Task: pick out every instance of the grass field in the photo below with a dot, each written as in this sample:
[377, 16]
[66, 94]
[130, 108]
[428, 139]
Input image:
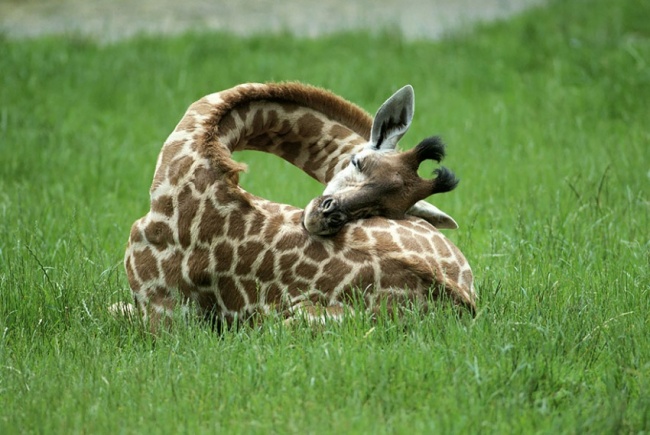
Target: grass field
[546, 118]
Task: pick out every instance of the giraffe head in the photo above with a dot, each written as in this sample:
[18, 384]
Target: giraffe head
[379, 181]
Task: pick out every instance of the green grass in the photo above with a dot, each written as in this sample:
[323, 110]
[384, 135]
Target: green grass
[546, 121]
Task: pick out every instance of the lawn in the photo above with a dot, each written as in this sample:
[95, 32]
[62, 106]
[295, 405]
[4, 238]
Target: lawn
[546, 117]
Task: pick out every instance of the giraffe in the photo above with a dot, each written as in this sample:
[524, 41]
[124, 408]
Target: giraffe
[206, 243]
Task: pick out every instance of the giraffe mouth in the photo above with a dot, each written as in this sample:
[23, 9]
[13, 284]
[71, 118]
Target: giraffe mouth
[323, 216]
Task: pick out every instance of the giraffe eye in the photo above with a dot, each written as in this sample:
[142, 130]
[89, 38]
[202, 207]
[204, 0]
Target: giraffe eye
[355, 162]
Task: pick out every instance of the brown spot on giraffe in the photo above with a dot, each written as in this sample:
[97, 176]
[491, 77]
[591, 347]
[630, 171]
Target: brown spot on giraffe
[130, 274]
[360, 234]
[173, 149]
[315, 165]
[227, 125]
[179, 168]
[336, 267]
[206, 300]
[172, 267]
[316, 251]
[356, 256]
[274, 294]
[407, 241]
[249, 251]
[309, 126]
[160, 296]
[266, 270]
[260, 142]
[187, 124]
[146, 264]
[385, 241]
[198, 265]
[289, 240]
[164, 204]
[224, 255]
[327, 281]
[273, 226]
[202, 107]
[340, 131]
[258, 121]
[188, 207]
[203, 178]
[159, 234]
[136, 233]
[457, 254]
[236, 227]
[251, 288]
[297, 286]
[287, 261]
[256, 225]
[305, 269]
[213, 223]
[451, 271]
[441, 247]
[290, 151]
[231, 294]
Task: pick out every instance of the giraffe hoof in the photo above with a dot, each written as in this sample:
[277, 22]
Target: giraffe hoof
[121, 309]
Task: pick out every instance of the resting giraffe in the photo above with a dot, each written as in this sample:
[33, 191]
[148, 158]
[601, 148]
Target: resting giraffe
[231, 254]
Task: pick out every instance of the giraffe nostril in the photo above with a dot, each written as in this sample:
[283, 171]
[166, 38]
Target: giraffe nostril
[328, 205]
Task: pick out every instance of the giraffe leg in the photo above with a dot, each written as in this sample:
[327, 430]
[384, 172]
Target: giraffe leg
[155, 306]
[317, 314]
[122, 309]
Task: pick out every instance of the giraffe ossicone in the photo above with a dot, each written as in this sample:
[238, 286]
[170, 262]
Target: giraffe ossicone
[209, 244]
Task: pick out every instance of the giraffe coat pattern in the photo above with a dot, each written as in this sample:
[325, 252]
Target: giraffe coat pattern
[230, 254]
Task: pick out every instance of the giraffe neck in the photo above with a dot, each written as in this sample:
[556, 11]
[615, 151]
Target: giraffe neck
[309, 127]
[299, 135]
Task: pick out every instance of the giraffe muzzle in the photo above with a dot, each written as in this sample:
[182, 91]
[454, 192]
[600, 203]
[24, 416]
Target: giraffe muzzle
[323, 216]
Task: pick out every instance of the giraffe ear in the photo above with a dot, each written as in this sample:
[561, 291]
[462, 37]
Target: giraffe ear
[392, 120]
[433, 215]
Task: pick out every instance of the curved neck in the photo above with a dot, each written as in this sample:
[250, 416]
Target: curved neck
[313, 129]
[309, 127]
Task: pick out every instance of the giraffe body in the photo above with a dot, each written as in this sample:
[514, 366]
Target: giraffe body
[231, 254]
